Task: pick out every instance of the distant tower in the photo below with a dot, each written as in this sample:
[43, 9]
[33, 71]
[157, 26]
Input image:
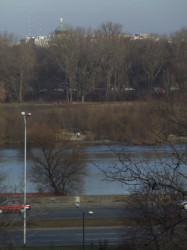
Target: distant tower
[61, 29]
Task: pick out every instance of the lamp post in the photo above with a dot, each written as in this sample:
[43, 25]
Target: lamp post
[25, 173]
[83, 230]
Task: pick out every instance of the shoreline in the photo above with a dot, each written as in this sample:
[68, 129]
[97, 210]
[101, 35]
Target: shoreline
[171, 140]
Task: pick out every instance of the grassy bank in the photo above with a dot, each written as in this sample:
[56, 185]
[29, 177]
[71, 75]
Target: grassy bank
[95, 121]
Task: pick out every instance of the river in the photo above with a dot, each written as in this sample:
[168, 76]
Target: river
[12, 162]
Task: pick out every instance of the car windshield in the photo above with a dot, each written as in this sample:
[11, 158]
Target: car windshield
[10, 202]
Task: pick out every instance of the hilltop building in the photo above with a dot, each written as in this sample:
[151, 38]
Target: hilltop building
[43, 41]
[61, 30]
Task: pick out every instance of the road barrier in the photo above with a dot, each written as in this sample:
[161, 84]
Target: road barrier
[60, 201]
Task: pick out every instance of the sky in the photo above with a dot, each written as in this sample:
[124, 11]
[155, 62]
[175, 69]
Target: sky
[41, 17]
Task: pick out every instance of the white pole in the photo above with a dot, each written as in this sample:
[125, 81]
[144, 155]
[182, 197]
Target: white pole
[25, 181]
[25, 176]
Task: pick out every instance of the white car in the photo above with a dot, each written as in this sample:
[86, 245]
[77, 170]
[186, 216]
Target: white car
[182, 204]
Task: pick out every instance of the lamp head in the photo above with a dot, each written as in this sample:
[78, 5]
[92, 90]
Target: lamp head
[77, 205]
[23, 113]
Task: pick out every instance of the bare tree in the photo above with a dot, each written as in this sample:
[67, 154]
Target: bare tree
[108, 38]
[179, 47]
[66, 53]
[153, 59]
[110, 28]
[18, 70]
[58, 165]
[164, 170]
[163, 223]
[157, 180]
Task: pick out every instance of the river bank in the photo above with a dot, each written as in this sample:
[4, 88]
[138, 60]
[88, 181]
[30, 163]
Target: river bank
[135, 123]
[79, 137]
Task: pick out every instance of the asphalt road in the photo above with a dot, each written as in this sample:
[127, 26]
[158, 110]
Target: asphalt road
[62, 237]
[70, 213]
[77, 213]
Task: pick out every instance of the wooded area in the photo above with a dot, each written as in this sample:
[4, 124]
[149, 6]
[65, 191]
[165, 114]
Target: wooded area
[103, 65]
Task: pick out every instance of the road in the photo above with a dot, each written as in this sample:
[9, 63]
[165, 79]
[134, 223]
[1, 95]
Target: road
[67, 236]
[73, 236]
[77, 213]
[63, 237]
[71, 213]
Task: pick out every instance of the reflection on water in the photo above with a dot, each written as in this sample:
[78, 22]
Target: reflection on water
[12, 161]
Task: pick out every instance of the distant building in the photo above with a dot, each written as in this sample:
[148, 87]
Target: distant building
[41, 41]
[61, 30]
[144, 36]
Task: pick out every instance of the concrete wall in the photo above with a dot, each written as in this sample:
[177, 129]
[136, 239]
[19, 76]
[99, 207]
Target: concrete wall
[84, 201]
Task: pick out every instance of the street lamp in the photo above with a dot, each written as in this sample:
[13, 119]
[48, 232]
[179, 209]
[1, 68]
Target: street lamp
[83, 215]
[25, 116]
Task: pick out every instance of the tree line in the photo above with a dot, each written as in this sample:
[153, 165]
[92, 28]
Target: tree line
[104, 65]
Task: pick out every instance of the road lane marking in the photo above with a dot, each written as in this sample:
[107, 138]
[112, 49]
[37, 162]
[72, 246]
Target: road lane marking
[97, 233]
[103, 239]
[42, 235]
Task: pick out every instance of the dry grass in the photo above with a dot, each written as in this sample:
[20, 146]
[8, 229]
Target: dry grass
[133, 122]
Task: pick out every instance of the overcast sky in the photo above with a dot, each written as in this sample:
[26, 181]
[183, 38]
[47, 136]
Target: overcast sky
[31, 17]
